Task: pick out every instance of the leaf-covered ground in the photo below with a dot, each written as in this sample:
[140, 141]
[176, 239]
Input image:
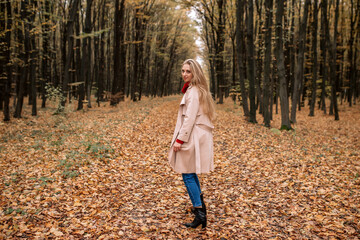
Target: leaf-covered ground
[103, 174]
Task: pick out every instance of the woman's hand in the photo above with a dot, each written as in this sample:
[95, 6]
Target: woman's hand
[177, 146]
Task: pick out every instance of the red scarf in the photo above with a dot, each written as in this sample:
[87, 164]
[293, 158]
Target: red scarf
[185, 87]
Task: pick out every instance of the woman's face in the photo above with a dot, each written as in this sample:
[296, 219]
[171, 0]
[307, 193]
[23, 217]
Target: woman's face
[186, 73]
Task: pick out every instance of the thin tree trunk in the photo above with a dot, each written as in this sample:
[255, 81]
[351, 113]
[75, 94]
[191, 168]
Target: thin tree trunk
[332, 53]
[315, 62]
[136, 34]
[46, 71]
[88, 29]
[299, 69]
[70, 42]
[284, 101]
[240, 50]
[259, 60]
[220, 46]
[33, 59]
[79, 64]
[171, 56]
[119, 66]
[352, 68]
[251, 60]
[267, 67]
[24, 55]
[6, 66]
[323, 49]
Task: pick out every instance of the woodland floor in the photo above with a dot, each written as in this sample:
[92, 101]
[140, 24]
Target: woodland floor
[103, 173]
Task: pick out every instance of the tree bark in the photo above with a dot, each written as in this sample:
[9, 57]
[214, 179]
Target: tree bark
[332, 55]
[46, 64]
[24, 55]
[219, 50]
[250, 59]
[323, 49]
[70, 49]
[239, 51]
[352, 67]
[284, 101]
[33, 58]
[119, 53]
[299, 68]
[259, 38]
[267, 64]
[79, 64]
[315, 61]
[7, 56]
[88, 49]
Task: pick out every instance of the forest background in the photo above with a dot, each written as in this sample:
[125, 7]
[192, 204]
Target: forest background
[83, 64]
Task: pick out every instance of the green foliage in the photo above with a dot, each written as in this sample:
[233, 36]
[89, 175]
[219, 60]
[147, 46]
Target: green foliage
[70, 174]
[57, 143]
[99, 148]
[276, 131]
[235, 94]
[37, 145]
[9, 211]
[15, 178]
[55, 95]
[45, 180]
[68, 165]
[284, 127]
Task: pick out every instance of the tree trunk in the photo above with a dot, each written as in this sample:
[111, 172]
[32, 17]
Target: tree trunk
[267, 67]
[332, 53]
[219, 50]
[292, 52]
[259, 38]
[211, 58]
[355, 59]
[70, 42]
[239, 51]
[79, 64]
[299, 68]
[315, 62]
[352, 67]
[323, 49]
[7, 56]
[284, 101]
[171, 57]
[251, 60]
[24, 55]
[137, 57]
[33, 59]
[46, 66]
[119, 53]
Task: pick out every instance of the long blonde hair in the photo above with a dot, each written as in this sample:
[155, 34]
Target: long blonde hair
[199, 80]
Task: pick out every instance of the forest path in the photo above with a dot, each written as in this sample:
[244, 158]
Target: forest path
[104, 174]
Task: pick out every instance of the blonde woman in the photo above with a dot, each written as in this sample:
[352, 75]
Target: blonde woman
[191, 151]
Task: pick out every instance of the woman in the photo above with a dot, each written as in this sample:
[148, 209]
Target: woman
[191, 151]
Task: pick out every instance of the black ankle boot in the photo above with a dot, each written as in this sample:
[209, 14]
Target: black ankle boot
[202, 205]
[200, 218]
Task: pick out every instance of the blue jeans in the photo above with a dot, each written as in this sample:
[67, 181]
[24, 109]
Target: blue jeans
[192, 184]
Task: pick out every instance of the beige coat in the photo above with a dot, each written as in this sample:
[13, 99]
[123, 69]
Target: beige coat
[194, 128]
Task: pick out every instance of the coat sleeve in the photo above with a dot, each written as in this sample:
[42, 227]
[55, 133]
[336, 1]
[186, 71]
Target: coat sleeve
[192, 104]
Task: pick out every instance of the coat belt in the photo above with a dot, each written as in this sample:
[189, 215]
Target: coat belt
[204, 127]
